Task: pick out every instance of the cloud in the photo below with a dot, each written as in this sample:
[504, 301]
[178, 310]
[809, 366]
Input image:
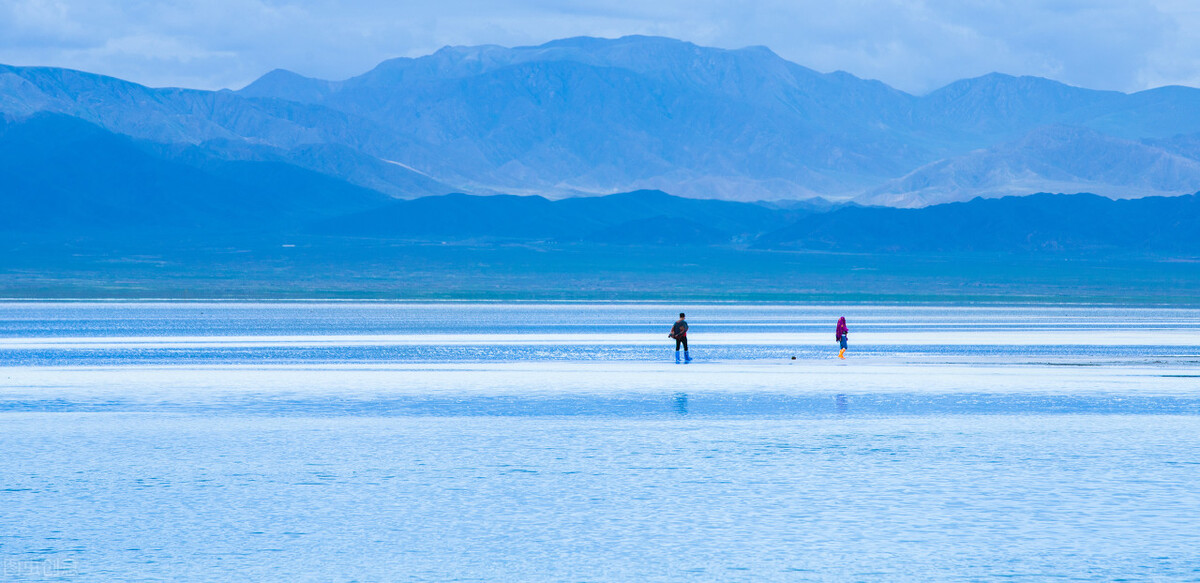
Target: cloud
[915, 45]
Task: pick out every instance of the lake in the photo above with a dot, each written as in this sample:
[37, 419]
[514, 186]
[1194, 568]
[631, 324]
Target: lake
[383, 441]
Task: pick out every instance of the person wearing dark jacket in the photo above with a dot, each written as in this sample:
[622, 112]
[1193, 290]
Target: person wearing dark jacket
[679, 333]
[842, 331]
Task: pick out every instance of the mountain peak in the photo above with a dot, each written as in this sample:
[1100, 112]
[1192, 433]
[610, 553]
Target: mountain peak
[593, 42]
[999, 82]
[284, 84]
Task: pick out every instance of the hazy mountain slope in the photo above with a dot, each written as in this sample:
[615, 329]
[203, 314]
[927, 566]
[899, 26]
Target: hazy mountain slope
[1155, 113]
[227, 124]
[590, 116]
[355, 167]
[995, 106]
[1064, 159]
[162, 115]
[1186, 145]
[60, 174]
[1042, 222]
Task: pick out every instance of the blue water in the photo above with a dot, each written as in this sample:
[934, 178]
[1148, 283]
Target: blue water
[395, 442]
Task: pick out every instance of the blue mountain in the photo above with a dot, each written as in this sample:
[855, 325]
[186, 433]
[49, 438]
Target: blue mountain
[640, 217]
[1065, 224]
[600, 116]
[63, 177]
[98, 186]
[1054, 158]
[1042, 223]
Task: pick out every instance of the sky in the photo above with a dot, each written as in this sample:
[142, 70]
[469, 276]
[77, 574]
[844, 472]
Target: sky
[913, 45]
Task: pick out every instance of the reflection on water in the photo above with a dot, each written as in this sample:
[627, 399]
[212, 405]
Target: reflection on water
[681, 403]
[700, 404]
[841, 403]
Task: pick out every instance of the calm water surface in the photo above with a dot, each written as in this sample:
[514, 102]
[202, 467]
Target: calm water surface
[523, 442]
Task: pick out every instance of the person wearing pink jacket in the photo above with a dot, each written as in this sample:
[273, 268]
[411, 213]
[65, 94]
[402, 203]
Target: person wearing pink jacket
[842, 332]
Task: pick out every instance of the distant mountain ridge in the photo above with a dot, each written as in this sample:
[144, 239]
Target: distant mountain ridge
[1035, 223]
[599, 116]
[1051, 158]
[108, 191]
[639, 217]
[1039, 223]
[63, 178]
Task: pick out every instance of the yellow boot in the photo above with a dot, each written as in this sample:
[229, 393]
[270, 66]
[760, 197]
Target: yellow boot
[842, 354]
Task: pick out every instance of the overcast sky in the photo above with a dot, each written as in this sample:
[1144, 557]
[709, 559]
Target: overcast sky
[914, 45]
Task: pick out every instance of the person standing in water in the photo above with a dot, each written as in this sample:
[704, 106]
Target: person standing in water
[842, 331]
[679, 333]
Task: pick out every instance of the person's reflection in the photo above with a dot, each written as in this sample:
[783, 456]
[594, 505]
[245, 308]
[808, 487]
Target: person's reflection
[681, 404]
[841, 403]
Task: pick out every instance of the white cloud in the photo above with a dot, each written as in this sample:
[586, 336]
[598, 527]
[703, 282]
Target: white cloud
[916, 45]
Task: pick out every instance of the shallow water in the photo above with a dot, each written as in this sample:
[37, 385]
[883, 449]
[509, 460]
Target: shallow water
[379, 442]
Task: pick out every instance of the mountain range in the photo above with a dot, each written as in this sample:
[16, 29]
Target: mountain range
[1044, 224]
[586, 116]
[106, 190]
[1040, 223]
